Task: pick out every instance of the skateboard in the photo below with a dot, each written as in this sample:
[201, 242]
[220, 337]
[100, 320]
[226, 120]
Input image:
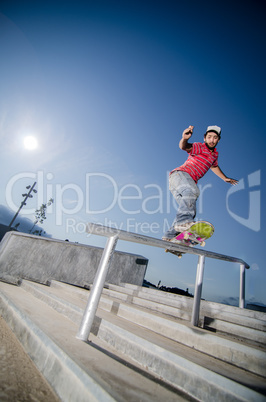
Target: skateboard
[196, 234]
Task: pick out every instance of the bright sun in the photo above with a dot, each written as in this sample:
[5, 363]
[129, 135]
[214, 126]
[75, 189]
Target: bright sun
[30, 143]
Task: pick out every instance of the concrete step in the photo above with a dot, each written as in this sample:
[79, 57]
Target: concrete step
[236, 353]
[150, 350]
[72, 303]
[210, 306]
[233, 321]
[77, 371]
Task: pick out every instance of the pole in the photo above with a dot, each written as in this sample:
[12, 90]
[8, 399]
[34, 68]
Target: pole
[242, 286]
[198, 291]
[22, 204]
[95, 294]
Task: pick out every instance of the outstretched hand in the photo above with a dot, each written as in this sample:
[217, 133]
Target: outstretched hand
[231, 181]
[187, 133]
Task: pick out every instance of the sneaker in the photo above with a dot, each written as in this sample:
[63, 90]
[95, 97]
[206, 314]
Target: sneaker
[174, 240]
[183, 226]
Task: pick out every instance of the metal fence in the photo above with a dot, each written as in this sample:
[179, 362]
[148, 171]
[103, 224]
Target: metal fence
[113, 236]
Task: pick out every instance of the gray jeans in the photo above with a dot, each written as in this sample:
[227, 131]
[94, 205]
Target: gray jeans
[186, 193]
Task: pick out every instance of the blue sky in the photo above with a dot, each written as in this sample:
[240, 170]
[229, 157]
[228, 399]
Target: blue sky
[106, 88]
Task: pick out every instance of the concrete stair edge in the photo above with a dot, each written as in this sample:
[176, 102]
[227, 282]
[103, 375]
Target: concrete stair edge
[219, 323]
[196, 381]
[51, 361]
[205, 304]
[230, 314]
[227, 350]
[193, 378]
[240, 326]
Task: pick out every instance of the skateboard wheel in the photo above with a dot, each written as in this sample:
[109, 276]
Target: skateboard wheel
[202, 244]
[186, 236]
[179, 255]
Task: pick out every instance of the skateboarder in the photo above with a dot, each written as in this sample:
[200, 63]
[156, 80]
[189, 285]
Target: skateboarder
[183, 180]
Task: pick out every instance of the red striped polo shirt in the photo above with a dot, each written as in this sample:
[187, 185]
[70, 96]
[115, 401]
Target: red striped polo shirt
[199, 161]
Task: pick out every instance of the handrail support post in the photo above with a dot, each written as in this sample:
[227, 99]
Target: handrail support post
[198, 291]
[242, 286]
[96, 291]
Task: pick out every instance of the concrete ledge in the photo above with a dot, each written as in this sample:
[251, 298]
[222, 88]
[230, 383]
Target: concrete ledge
[42, 259]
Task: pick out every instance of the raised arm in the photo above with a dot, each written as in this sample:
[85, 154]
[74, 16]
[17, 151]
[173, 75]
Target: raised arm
[184, 144]
[222, 176]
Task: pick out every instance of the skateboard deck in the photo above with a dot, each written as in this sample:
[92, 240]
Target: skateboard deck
[196, 234]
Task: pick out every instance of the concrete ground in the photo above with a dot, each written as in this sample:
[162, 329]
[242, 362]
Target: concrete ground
[19, 378]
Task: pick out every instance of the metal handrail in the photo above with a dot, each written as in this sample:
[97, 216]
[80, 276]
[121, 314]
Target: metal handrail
[113, 236]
